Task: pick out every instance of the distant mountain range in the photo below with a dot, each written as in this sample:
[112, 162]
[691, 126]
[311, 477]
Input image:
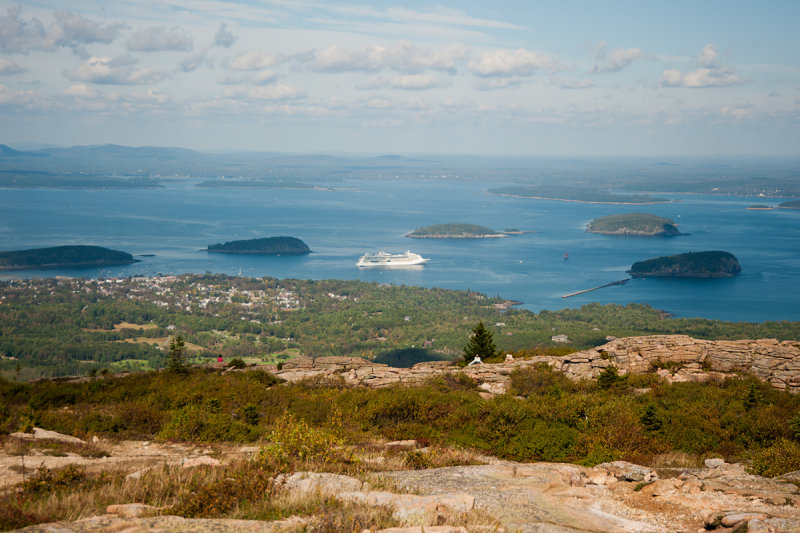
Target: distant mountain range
[753, 176]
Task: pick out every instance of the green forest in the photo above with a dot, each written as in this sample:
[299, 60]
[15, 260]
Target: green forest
[453, 231]
[643, 223]
[61, 327]
[64, 256]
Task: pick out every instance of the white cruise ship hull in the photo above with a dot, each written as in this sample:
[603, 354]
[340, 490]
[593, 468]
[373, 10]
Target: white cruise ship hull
[386, 260]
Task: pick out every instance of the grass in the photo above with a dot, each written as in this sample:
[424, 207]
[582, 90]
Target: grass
[243, 489]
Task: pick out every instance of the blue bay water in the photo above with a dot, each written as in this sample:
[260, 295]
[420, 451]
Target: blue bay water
[177, 222]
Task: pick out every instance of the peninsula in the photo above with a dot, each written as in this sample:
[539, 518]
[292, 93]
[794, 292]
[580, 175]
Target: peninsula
[634, 224]
[715, 264]
[455, 231]
[589, 196]
[266, 246]
[71, 256]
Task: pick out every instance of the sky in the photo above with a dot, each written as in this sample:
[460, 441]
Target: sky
[565, 78]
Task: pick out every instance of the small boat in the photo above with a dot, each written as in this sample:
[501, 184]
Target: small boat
[384, 259]
[566, 256]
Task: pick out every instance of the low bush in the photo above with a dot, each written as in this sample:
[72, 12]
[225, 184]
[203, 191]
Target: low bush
[780, 458]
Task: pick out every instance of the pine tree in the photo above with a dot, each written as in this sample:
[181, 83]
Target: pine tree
[177, 362]
[481, 344]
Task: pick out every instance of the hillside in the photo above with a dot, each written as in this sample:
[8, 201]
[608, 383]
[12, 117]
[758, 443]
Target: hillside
[266, 246]
[64, 257]
[454, 231]
[715, 264]
[634, 224]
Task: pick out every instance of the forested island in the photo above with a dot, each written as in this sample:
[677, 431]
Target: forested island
[713, 264]
[636, 224]
[455, 231]
[258, 184]
[792, 204]
[71, 256]
[267, 246]
[25, 179]
[591, 196]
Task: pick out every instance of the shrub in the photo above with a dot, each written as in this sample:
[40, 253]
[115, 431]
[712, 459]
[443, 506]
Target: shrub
[194, 423]
[794, 426]
[542, 379]
[46, 480]
[237, 362]
[293, 439]
[780, 458]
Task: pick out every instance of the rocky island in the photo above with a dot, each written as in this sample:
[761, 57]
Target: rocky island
[714, 264]
[70, 256]
[792, 204]
[266, 246]
[455, 231]
[634, 224]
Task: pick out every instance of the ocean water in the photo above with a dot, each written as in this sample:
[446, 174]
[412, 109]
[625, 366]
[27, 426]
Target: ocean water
[176, 223]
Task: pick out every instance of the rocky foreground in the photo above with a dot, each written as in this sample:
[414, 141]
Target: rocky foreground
[505, 496]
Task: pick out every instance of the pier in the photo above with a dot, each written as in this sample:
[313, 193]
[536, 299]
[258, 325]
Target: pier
[620, 282]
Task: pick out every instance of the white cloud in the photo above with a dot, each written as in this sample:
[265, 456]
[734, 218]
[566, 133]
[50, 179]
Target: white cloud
[708, 57]
[108, 71]
[510, 63]
[277, 91]
[9, 67]
[69, 31]
[224, 36]
[700, 78]
[193, 62]
[402, 57]
[737, 112]
[159, 39]
[491, 84]
[616, 60]
[26, 98]
[411, 82]
[81, 90]
[710, 73]
[264, 77]
[566, 83]
[252, 61]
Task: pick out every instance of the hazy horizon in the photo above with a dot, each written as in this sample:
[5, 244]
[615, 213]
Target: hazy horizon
[572, 79]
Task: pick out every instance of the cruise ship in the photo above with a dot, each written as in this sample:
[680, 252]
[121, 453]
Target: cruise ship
[383, 259]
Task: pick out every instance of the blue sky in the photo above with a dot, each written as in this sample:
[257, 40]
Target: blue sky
[506, 77]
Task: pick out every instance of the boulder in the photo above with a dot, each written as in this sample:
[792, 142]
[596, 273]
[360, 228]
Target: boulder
[132, 510]
[625, 471]
[317, 483]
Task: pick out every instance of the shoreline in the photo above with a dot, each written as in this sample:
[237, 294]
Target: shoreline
[581, 201]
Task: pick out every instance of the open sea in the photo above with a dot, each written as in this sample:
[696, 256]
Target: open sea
[175, 223]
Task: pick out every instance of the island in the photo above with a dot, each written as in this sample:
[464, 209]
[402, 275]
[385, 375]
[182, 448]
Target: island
[792, 204]
[70, 256]
[634, 224]
[715, 264]
[455, 231]
[589, 196]
[266, 246]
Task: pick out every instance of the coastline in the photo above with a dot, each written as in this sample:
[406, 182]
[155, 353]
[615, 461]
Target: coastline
[580, 201]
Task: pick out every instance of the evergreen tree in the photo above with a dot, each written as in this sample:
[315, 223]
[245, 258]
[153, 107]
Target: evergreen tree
[177, 360]
[610, 378]
[481, 344]
[650, 418]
